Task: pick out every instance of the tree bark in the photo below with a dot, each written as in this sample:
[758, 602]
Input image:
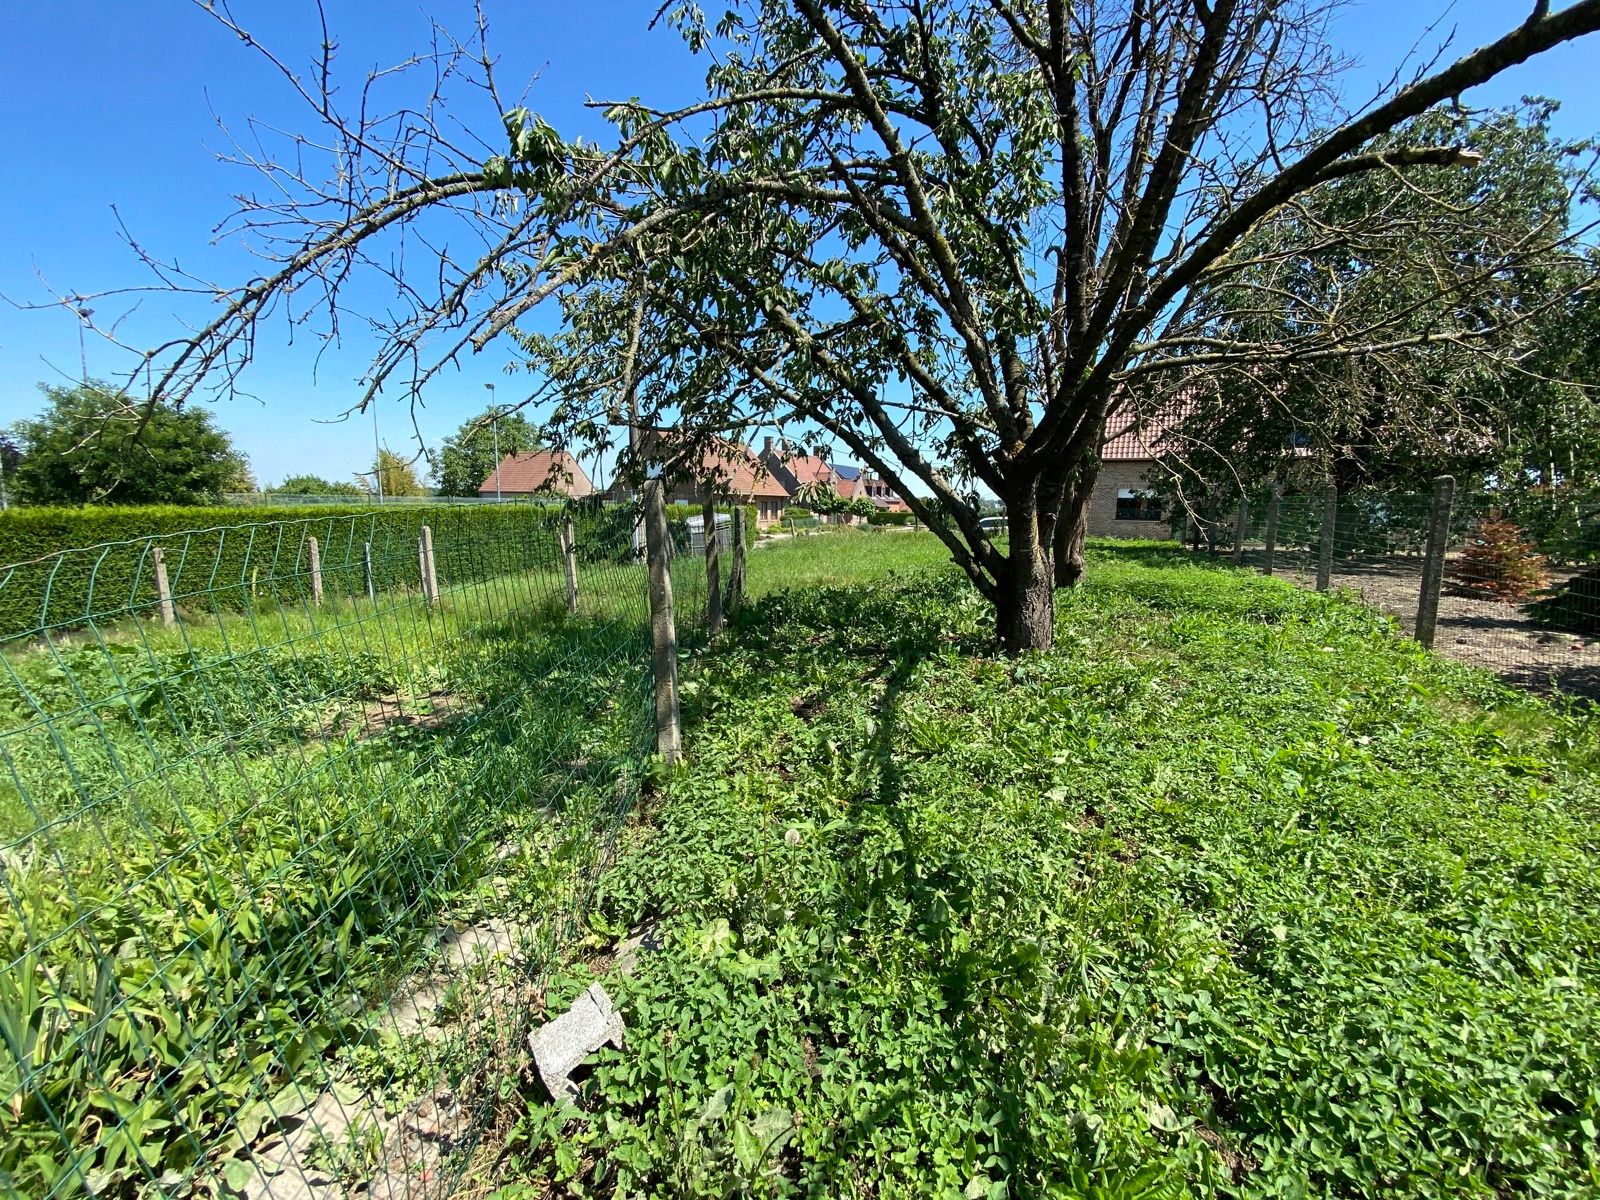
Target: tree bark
[1072, 528]
[1025, 608]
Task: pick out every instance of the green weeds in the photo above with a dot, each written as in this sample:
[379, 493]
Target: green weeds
[229, 843]
[1235, 892]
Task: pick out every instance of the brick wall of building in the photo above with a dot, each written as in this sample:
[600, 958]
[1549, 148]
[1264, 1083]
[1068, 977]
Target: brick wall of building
[1114, 476]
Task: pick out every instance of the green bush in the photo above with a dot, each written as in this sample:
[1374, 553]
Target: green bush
[891, 518]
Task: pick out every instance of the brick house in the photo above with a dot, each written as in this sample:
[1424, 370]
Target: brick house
[1122, 504]
[868, 484]
[734, 474]
[537, 473]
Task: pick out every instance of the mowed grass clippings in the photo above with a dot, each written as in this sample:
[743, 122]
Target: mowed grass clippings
[1234, 892]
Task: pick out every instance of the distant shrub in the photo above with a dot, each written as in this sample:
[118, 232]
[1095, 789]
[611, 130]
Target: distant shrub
[890, 518]
[1499, 562]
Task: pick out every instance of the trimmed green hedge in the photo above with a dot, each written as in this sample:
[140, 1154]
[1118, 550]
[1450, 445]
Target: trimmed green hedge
[891, 518]
[78, 566]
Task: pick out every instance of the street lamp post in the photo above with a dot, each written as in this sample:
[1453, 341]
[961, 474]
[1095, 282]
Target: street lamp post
[494, 425]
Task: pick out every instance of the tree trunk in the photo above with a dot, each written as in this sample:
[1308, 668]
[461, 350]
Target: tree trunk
[1025, 610]
[1073, 526]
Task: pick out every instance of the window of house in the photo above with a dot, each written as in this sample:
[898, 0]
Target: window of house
[1137, 506]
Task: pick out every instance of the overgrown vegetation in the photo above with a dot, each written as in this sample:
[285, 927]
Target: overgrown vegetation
[1233, 892]
[227, 844]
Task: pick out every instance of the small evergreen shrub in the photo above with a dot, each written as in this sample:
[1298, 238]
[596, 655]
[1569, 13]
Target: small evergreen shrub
[1499, 562]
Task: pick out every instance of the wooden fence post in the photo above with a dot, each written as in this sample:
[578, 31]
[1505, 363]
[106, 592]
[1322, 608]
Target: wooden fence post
[315, 553]
[169, 615]
[569, 559]
[1444, 494]
[663, 630]
[1274, 506]
[366, 564]
[708, 531]
[430, 577]
[1241, 526]
[736, 575]
[1330, 529]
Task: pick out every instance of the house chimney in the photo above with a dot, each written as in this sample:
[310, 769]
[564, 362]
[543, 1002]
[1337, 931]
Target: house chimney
[766, 447]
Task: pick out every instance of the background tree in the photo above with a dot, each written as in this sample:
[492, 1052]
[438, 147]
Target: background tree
[467, 457]
[315, 485]
[396, 475]
[94, 444]
[953, 237]
[1474, 407]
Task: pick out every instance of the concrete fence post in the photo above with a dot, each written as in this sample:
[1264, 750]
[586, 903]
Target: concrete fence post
[366, 570]
[1241, 526]
[708, 531]
[314, 554]
[1274, 507]
[1330, 530]
[736, 574]
[169, 615]
[430, 577]
[663, 629]
[569, 560]
[1444, 494]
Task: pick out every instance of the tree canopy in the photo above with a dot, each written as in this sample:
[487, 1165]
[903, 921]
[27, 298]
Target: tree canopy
[953, 237]
[1484, 407]
[315, 485]
[395, 475]
[467, 457]
[95, 444]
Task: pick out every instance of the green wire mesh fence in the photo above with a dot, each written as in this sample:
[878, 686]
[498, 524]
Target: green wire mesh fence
[289, 835]
[1519, 584]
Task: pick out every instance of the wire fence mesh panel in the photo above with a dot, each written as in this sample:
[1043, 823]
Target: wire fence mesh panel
[1520, 590]
[281, 878]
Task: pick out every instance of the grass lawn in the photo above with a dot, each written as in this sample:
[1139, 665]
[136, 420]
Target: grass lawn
[1234, 892]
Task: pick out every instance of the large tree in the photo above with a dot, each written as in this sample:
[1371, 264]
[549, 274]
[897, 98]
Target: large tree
[83, 449]
[1481, 407]
[952, 235]
[467, 458]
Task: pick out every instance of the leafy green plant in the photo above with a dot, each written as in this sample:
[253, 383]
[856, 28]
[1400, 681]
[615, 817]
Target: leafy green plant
[990, 927]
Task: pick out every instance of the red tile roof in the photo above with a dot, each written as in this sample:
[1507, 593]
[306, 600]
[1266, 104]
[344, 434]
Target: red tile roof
[732, 466]
[551, 472]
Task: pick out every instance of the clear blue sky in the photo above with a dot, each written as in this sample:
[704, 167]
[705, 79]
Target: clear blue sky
[114, 103]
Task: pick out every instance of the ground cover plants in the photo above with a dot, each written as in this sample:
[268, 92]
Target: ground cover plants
[224, 846]
[1233, 892]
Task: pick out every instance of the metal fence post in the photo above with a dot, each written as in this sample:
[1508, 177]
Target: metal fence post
[663, 630]
[366, 565]
[1274, 506]
[315, 553]
[1330, 528]
[1241, 525]
[1444, 494]
[169, 615]
[708, 532]
[736, 574]
[430, 577]
[569, 560]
